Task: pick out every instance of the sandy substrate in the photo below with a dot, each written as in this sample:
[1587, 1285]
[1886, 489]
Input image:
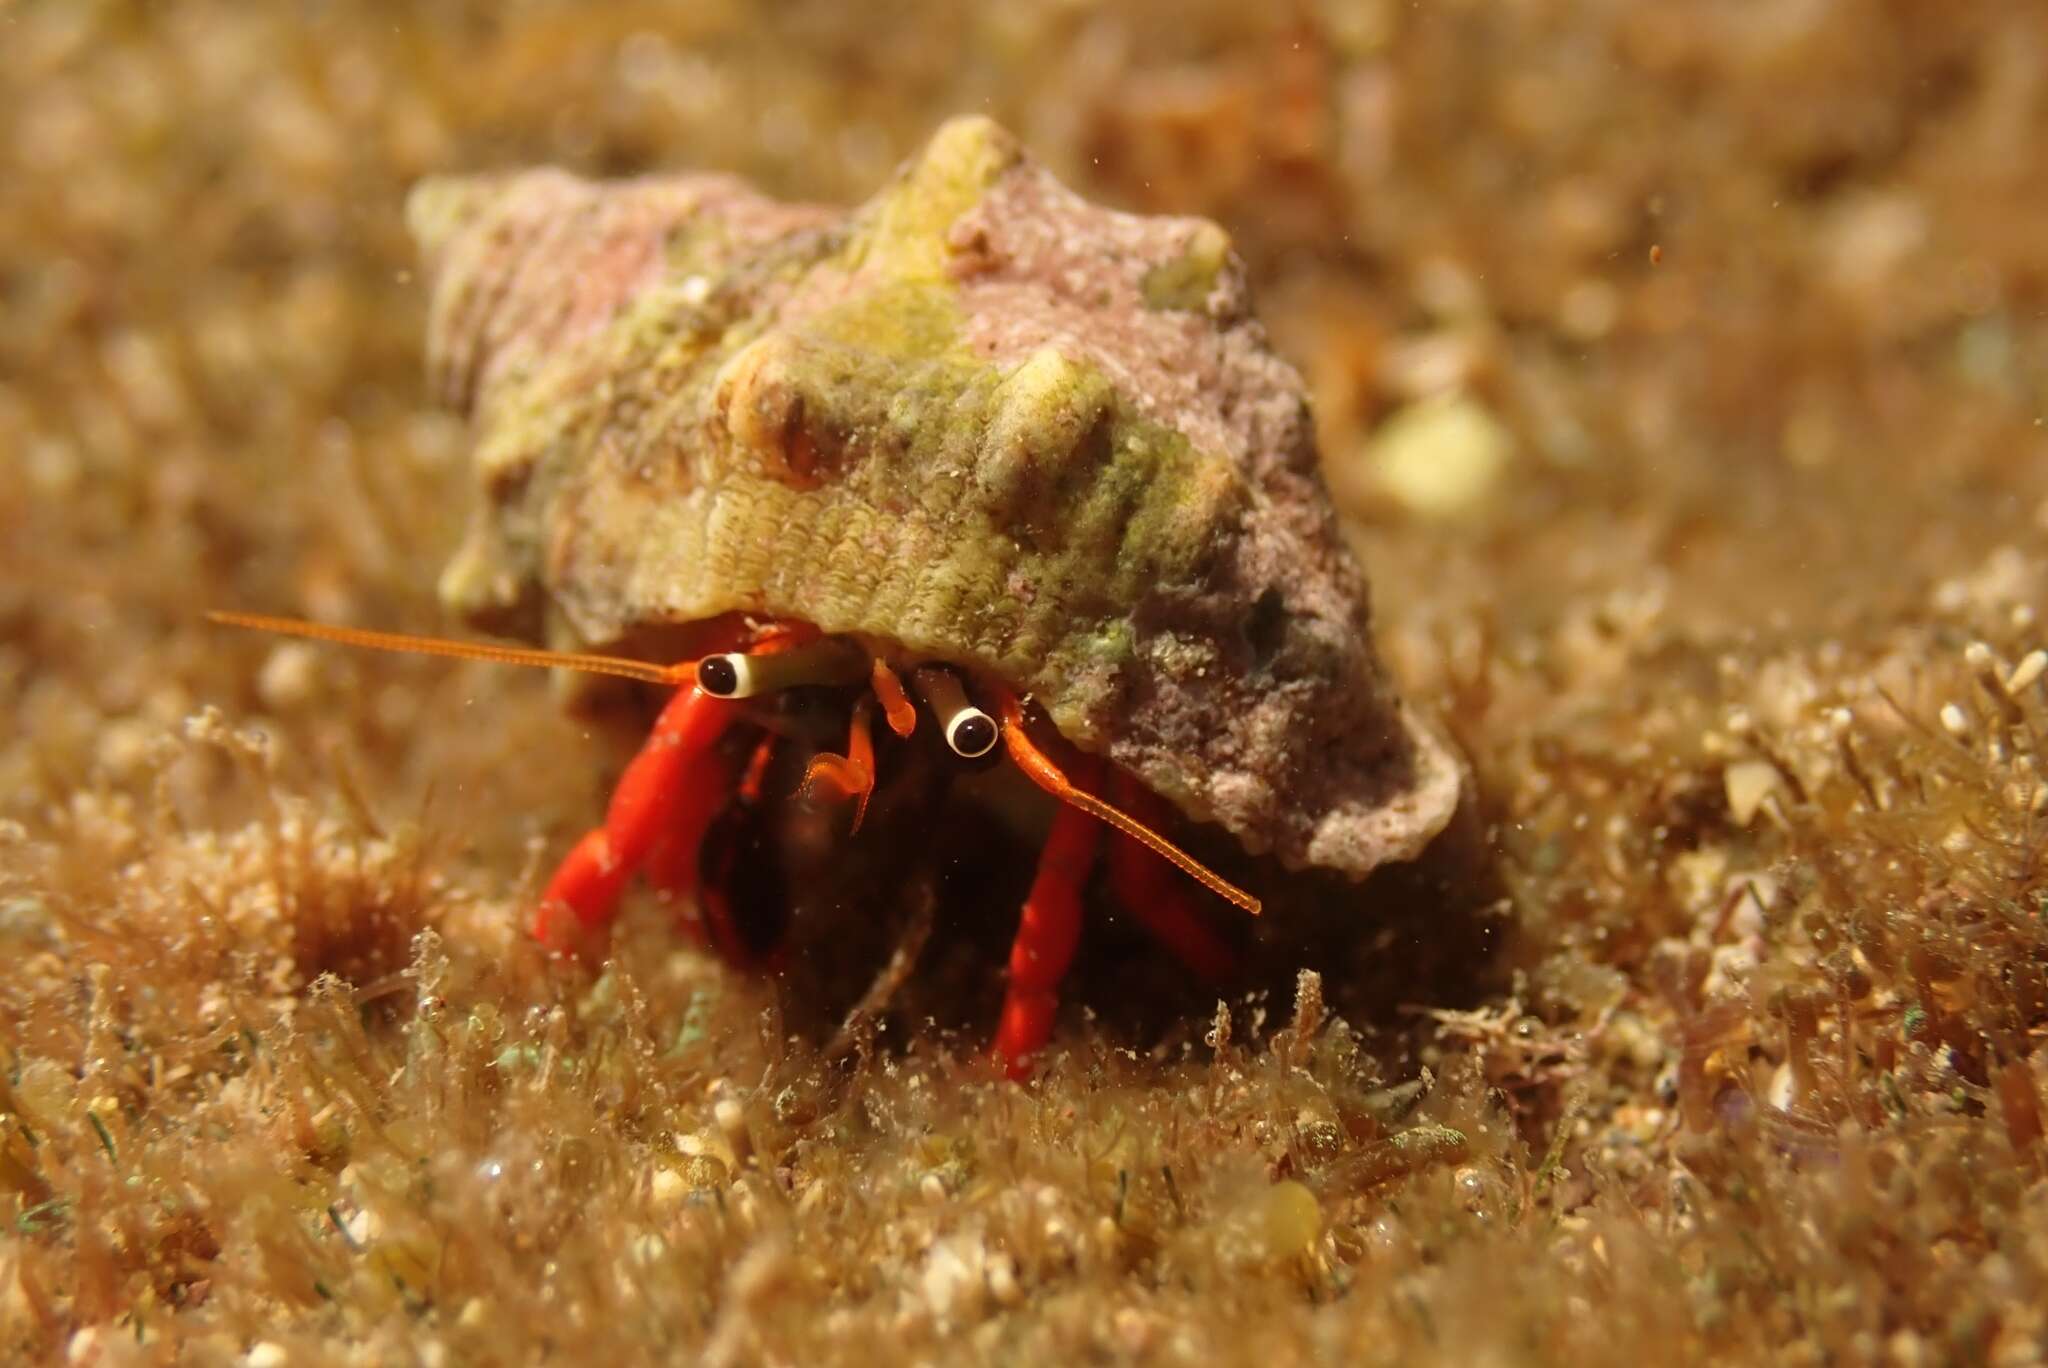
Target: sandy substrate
[1680, 368]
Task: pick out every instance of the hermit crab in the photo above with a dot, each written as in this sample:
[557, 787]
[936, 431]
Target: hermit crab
[976, 456]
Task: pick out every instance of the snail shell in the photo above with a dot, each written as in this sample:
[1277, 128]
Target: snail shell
[975, 420]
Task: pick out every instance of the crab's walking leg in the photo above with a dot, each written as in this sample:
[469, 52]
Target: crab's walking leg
[662, 790]
[1047, 933]
[674, 866]
[1151, 890]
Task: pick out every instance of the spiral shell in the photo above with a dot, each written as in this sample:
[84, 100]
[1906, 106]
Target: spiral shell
[975, 420]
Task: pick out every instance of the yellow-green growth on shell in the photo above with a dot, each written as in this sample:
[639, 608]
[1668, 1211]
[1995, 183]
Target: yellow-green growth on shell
[976, 420]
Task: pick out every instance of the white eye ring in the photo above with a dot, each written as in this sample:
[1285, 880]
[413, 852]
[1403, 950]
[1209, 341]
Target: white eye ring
[971, 732]
[726, 676]
[828, 660]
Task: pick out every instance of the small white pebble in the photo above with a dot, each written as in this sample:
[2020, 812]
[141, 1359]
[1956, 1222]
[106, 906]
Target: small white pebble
[1954, 720]
[2027, 671]
[363, 1227]
[1747, 784]
[932, 1189]
[125, 745]
[954, 1276]
[289, 678]
[266, 1354]
[1441, 457]
[1840, 720]
[1002, 1280]
[1781, 1093]
[666, 1187]
[732, 1121]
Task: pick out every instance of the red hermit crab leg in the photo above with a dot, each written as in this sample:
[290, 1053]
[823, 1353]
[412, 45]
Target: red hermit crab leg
[755, 779]
[851, 775]
[674, 864]
[1040, 770]
[1048, 929]
[1145, 886]
[662, 794]
[1051, 922]
[674, 867]
[664, 797]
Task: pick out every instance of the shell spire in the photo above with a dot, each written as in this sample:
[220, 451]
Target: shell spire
[977, 420]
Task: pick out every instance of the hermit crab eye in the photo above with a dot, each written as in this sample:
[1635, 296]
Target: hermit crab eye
[721, 675]
[828, 660]
[971, 732]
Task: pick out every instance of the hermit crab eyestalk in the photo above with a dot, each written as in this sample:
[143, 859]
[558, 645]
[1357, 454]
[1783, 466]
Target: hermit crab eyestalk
[735, 674]
[971, 732]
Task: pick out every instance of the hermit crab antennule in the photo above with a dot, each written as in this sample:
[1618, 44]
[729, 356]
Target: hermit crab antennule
[1040, 770]
[971, 732]
[646, 671]
[895, 703]
[851, 775]
[737, 674]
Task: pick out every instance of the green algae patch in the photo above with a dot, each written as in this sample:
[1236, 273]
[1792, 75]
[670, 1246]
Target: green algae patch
[1187, 281]
[905, 231]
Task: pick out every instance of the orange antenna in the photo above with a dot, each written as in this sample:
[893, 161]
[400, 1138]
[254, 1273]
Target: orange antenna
[671, 675]
[1040, 770]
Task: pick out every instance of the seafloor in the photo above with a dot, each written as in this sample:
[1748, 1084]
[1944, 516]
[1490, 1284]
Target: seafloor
[1682, 368]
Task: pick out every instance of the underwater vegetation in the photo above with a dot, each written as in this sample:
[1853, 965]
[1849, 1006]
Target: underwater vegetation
[1691, 440]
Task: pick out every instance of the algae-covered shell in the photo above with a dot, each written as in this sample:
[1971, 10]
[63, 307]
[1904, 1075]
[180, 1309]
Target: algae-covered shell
[975, 420]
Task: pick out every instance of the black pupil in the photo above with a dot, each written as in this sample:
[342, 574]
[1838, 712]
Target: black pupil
[716, 676]
[974, 735]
